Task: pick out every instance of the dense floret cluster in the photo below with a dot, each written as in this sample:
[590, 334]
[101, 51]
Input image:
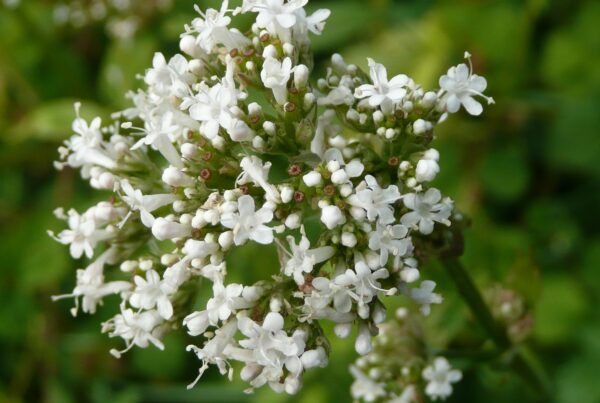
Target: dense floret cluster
[234, 142]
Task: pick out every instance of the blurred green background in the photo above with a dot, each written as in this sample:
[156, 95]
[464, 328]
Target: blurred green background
[527, 173]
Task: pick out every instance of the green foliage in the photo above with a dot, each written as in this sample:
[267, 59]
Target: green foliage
[527, 175]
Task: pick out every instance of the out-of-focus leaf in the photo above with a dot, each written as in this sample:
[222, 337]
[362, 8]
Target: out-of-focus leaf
[122, 64]
[504, 173]
[145, 360]
[574, 143]
[347, 21]
[591, 266]
[560, 309]
[577, 380]
[51, 121]
[571, 60]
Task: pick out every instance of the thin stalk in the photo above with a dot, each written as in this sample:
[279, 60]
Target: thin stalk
[522, 361]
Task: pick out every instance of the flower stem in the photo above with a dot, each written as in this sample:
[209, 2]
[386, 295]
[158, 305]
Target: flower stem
[522, 360]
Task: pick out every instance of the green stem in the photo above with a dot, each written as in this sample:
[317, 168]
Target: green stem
[522, 359]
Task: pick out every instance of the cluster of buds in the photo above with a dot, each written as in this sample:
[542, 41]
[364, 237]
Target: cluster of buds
[398, 369]
[122, 18]
[192, 167]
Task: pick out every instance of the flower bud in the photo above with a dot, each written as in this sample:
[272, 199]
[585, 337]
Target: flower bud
[270, 128]
[174, 177]
[429, 99]
[226, 239]
[163, 229]
[288, 49]
[309, 100]
[187, 44]
[338, 177]
[345, 190]
[292, 385]
[254, 109]
[312, 179]
[349, 239]
[363, 345]
[427, 170]
[270, 52]
[189, 150]
[332, 216]
[421, 126]
[258, 143]
[343, 330]
[293, 221]
[432, 154]
[286, 193]
[300, 76]
[314, 358]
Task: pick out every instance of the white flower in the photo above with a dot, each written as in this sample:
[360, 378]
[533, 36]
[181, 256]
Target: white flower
[409, 395]
[460, 86]
[364, 387]
[257, 173]
[86, 145]
[157, 132]
[423, 295]
[151, 292]
[145, 204]
[82, 235]
[375, 200]
[315, 22]
[341, 172]
[248, 223]
[91, 286]
[136, 328]
[226, 300]
[427, 208]
[277, 16]
[364, 284]
[275, 75]
[270, 345]
[390, 239]
[302, 259]
[168, 79]
[211, 106]
[440, 377]
[382, 92]
[215, 351]
[332, 216]
[212, 29]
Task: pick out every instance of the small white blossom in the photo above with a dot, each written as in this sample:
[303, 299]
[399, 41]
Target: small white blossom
[275, 75]
[427, 208]
[248, 223]
[145, 204]
[382, 92]
[375, 200]
[153, 292]
[460, 87]
[136, 328]
[440, 377]
[302, 259]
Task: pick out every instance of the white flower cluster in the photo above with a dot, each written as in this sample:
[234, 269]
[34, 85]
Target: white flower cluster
[189, 166]
[397, 370]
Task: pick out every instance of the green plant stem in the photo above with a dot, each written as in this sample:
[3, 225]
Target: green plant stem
[522, 360]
